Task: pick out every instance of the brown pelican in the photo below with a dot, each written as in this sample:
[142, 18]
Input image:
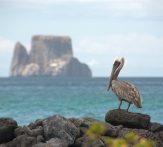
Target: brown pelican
[125, 91]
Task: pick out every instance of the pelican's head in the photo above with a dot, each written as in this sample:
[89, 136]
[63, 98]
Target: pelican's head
[117, 66]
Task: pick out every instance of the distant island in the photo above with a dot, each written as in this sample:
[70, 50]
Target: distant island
[48, 56]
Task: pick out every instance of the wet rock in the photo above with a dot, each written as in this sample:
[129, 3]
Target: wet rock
[57, 131]
[22, 141]
[7, 129]
[155, 127]
[128, 119]
[40, 138]
[83, 131]
[19, 131]
[56, 142]
[30, 132]
[112, 131]
[161, 135]
[35, 124]
[82, 142]
[86, 142]
[40, 145]
[34, 132]
[26, 137]
[60, 127]
[97, 143]
[84, 122]
[142, 133]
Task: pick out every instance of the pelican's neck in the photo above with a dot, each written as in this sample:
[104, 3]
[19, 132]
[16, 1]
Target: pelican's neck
[117, 71]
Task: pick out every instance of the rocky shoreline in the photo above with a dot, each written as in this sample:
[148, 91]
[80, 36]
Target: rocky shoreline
[58, 131]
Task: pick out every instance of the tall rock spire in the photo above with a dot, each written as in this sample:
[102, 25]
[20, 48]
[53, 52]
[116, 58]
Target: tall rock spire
[49, 56]
[20, 59]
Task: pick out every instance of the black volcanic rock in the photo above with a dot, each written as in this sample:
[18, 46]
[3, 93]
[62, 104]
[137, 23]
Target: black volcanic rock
[129, 119]
[154, 127]
[7, 128]
[58, 131]
[49, 56]
[142, 133]
[59, 127]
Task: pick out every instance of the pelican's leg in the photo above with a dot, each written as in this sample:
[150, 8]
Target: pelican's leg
[128, 106]
[120, 105]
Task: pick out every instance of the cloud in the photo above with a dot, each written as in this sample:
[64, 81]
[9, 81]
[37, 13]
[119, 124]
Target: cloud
[5, 45]
[6, 50]
[121, 43]
[115, 8]
[93, 62]
[142, 51]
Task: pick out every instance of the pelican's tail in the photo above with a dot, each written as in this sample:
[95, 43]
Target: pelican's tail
[137, 103]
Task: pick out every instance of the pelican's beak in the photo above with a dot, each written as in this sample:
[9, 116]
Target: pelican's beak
[111, 78]
[115, 66]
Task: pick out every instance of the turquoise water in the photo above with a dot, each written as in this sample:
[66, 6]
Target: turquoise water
[31, 98]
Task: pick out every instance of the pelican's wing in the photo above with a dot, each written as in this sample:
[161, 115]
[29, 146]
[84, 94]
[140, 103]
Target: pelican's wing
[133, 91]
[126, 91]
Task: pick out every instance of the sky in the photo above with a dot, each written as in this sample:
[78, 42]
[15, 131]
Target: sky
[101, 31]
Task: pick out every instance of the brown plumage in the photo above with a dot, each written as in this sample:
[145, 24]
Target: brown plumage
[124, 90]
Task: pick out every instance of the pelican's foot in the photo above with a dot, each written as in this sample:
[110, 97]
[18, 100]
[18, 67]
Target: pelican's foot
[128, 106]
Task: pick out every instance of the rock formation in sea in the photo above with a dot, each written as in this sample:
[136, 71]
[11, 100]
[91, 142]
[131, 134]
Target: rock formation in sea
[58, 131]
[49, 56]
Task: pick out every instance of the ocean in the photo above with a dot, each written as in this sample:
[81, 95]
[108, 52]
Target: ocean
[28, 99]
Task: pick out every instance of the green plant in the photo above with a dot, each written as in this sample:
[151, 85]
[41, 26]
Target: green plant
[96, 130]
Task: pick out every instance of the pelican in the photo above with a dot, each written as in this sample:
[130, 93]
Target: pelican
[125, 91]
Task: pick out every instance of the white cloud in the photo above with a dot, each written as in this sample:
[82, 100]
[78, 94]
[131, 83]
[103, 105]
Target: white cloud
[141, 51]
[5, 45]
[6, 50]
[93, 62]
[120, 43]
[136, 8]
